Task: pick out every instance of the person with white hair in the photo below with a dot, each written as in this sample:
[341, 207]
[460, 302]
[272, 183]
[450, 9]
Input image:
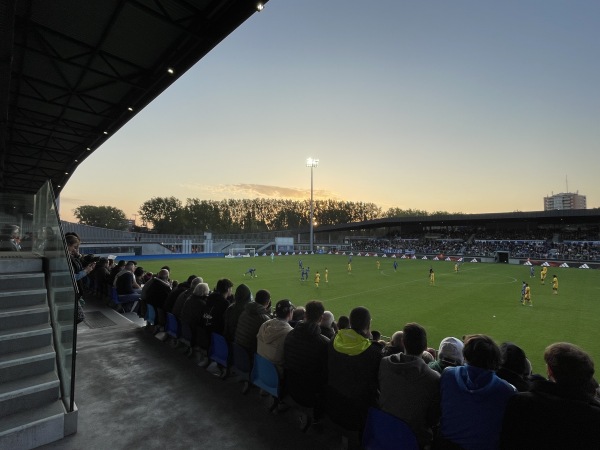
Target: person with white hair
[327, 325]
[450, 354]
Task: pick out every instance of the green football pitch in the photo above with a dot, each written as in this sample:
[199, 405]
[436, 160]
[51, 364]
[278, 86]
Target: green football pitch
[480, 298]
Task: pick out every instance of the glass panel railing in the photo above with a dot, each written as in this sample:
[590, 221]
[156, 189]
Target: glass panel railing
[48, 242]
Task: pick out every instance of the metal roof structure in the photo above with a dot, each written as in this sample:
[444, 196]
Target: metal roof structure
[73, 72]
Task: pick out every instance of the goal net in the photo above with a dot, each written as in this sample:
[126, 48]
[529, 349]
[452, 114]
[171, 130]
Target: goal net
[242, 252]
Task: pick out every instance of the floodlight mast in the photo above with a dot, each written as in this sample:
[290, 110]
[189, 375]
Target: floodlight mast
[312, 163]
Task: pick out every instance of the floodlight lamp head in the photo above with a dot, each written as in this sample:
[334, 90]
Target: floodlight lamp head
[310, 162]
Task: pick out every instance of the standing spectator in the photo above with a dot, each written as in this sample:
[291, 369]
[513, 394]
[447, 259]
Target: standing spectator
[271, 334]
[79, 271]
[409, 389]
[474, 398]
[558, 413]
[353, 370]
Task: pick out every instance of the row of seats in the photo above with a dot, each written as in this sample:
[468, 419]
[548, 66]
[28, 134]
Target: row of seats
[382, 430]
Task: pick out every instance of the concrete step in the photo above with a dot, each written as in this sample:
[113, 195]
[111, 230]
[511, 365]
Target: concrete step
[22, 281]
[60, 279]
[33, 428]
[25, 338]
[59, 295]
[27, 363]
[14, 299]
[24, 316]
[11, 264]
[28, 393]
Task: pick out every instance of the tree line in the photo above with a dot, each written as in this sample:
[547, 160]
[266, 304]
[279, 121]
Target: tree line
[169, 215]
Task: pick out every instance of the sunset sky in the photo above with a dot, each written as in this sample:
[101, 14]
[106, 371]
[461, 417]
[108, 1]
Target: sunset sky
[461, 106]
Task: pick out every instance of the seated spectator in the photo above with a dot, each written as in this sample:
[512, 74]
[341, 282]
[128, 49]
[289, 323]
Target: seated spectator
[125, 280]
[409, 389]
[99, 277]
[427, 357]
[155, 293]
[343, 323]
[305, 360]
[213, 319]
[254, 315]
[473, 398]
[176, 291]
[327, 325]
[299, 314]
[9, 238]
[375, 335]
[395, 345]
[558, 413]
[139, 274]
[116, 269]
[514, 367]
[242, 297]
[184, 296]
[353, 370]
[450, 354]
[192, 309]
[271, 334]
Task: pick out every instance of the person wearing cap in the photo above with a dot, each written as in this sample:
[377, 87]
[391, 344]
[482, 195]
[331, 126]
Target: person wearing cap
[353, 369]
[305, 359]
[409, 389]
[450, 354]
[271, 334]
[254, 315]
[559, 412]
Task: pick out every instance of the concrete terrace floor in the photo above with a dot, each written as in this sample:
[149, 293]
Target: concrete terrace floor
[134, 391]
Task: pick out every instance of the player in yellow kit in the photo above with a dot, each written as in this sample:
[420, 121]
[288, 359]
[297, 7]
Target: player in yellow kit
[326, 275]
[543, 274]
[378, 264]
[527, 298]
[317, 279]
[554, 284]
[431, 276]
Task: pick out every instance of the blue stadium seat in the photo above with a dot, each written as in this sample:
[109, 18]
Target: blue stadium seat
[265, 376]
[242, 361]
[150, 315]
[173, 328]
[219, 350]
[386, 432]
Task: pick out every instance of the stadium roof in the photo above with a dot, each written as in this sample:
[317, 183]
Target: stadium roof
[554, 217]
[73, 72]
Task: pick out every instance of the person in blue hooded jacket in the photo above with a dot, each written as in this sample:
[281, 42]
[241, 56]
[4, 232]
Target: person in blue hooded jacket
[474, 398]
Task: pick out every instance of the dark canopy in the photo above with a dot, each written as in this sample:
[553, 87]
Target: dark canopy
[72, 72]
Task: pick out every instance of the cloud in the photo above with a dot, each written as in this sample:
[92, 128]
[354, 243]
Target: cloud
[259, 191]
